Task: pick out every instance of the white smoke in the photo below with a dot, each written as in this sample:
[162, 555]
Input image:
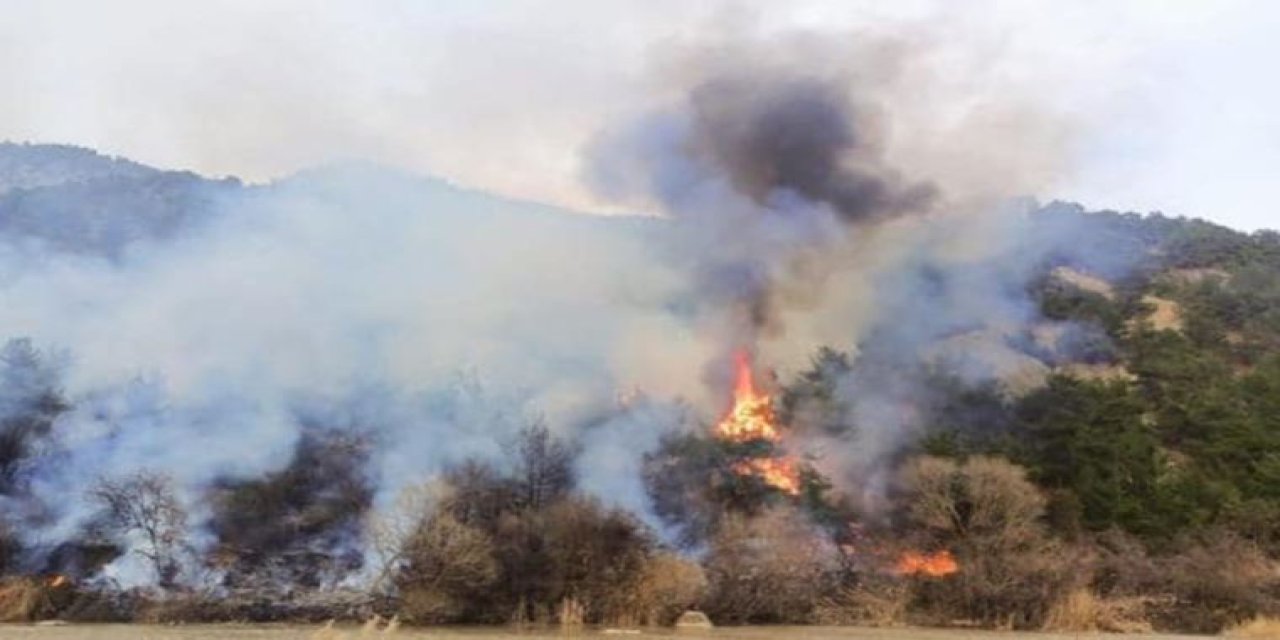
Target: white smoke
[441, 321]
[438, 320]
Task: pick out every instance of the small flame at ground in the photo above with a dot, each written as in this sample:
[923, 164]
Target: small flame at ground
[57, 581]
[933, 565]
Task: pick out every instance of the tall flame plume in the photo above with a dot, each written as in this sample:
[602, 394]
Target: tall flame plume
[751, 418]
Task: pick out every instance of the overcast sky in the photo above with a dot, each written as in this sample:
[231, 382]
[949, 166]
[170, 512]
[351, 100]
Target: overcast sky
[1170, 105]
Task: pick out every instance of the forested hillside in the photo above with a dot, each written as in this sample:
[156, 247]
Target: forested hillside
[1149, 430]
[1172, 425]
[76, 200]
[388, 394]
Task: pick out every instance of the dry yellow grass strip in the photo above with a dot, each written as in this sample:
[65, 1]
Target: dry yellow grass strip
[1261, 627]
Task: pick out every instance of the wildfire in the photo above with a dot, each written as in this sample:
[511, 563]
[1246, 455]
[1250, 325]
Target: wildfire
[778, 473]
[933, 565]
[751, 417]
[56, 581]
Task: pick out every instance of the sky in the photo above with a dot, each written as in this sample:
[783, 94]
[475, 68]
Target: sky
[1167, 105]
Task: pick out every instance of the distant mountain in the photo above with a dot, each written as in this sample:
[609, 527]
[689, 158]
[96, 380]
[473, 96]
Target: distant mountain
[74, 200]
[79, 201]
[27, 166]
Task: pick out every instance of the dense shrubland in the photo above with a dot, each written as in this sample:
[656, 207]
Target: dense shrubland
[1145, 495]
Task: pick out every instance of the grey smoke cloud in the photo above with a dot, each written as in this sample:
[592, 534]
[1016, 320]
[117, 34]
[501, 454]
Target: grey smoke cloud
[791, 168]
[799, 210]
[809, 211]
[797, 136]
[437, 320]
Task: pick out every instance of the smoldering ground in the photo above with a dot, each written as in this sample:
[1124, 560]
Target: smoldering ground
[788, 202]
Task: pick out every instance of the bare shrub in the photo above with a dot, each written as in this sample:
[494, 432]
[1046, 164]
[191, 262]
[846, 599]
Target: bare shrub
[144, 505]
[770, 568]
[390, 531]
[543, 466]
[10, 547]
[1122, 566]
[571, 548]
[668, 586]
[1219, 580]
[1201, 583]
[446, 564]
[31, 400]
[587, 552]
[548, 544]
[983, 501]
[297, 527]
[479, 494]
[877, 602]
[990, 516]
[1080, 611]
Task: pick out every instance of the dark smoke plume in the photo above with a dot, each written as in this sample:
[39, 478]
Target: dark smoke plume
[794, 135]
[816, 199]
[768, 168]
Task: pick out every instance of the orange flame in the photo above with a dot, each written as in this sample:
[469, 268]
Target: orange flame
[751, 417]
[57, 581]
[778, 473]
[932, 565]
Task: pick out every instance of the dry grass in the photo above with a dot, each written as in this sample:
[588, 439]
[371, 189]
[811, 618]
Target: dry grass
[327, 632]
[1103, 372]
[1078, 611]
[1196, 276]
[1082, 611]
[22, 600]
[1166, 315]
[1086, 282]
[571, 615]
[374, 627]
[1261, 627]
[878, 605]
[625, 620]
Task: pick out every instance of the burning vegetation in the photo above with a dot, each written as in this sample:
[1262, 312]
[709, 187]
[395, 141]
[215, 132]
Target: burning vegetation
[933, 565]
[751, 416]
[751, 421]
[897, 478]
[752, 426]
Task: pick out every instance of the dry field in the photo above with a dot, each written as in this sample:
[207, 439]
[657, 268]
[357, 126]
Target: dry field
[268, 632]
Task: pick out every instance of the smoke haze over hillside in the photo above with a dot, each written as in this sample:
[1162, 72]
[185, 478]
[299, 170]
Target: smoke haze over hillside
[799, 207]
[789, 189]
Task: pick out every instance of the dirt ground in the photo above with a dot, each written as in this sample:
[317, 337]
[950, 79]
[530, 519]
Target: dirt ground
[268, 632]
